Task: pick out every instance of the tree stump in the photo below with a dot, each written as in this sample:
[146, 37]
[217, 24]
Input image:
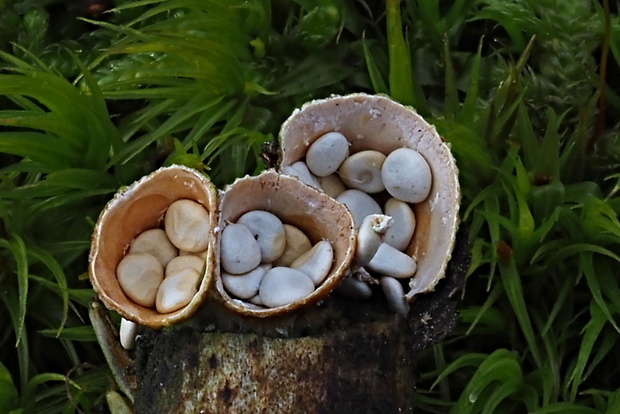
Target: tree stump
[309, 363]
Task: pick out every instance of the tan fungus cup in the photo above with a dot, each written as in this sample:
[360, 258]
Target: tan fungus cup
[319, 216]
[137, 208]
[377, 122]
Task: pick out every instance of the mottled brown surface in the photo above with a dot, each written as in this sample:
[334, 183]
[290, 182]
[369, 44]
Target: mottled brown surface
[364, 369]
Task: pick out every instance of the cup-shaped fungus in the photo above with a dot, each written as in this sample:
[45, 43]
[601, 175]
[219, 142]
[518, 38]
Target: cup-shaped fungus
[265, 206]
[154, 248]
[391, 147]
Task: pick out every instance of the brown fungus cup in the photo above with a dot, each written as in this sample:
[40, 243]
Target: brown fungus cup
[139, 208]
[321, 218]
[375, 122]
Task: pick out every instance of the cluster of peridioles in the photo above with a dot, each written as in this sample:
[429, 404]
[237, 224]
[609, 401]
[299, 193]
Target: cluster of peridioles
[383, 233]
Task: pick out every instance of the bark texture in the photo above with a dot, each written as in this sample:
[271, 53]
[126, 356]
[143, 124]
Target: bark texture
[367, 369]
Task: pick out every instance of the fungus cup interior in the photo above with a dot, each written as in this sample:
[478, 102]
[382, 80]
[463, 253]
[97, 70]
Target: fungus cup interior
[141, 207]
[319, 216]
[377, 122]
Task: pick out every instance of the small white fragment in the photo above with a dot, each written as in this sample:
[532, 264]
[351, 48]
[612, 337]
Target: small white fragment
[362, 171]
[177, 290]
[187, 225]
[239, 251]
[297, 243]
[392, 262]
[400, 233]
[406, 175]
[359, 204]
[155, 242]
[282, 286]
[374, 113]
[326, 154]
[139, 275]
[268, 231]
[380, 223]
[246, 285]
[127, 333]
[316, 262]
[395, 295]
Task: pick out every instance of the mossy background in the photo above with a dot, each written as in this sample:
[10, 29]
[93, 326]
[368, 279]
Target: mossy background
[94, 94]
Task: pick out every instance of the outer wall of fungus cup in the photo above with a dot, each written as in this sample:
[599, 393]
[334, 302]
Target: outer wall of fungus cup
[319, 216]
[377, 122]
[137, 208]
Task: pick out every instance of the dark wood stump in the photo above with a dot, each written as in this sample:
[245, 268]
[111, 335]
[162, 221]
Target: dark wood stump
[292, 365]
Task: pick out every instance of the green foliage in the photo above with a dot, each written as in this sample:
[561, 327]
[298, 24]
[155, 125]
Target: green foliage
[543, 227]
[513, 86]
